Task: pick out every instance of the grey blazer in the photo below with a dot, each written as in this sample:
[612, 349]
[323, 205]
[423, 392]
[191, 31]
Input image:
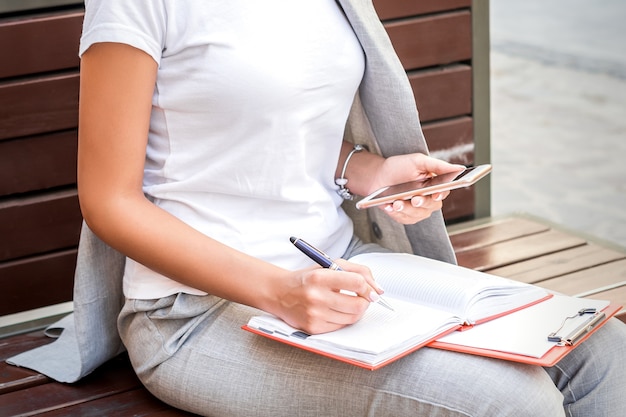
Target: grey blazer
[383, 116]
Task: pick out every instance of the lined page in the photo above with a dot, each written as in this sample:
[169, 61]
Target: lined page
[381, 329]
[437, 284]
[379, 332]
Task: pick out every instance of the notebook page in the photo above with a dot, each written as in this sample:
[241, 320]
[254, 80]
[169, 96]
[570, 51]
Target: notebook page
[430, 282]
[379, 330]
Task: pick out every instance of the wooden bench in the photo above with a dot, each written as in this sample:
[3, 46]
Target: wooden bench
[523, 248]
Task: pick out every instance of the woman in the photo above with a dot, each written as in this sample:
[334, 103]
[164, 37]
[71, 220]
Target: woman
[210, 132]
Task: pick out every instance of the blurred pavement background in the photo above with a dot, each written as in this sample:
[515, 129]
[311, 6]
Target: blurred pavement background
[558, 113]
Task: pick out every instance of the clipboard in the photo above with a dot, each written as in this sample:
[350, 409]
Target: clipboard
[488, 339]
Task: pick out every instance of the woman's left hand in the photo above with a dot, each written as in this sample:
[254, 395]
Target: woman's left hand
[404, 168]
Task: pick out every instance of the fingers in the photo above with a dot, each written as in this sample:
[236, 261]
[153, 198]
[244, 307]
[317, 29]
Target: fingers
[436, 166]
[329, 300]
[416, 209]
[365, 273]
[353, 282]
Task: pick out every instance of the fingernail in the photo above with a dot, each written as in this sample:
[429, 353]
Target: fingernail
[374, 297]
[438, 197]
[388, 208]
[418, 202]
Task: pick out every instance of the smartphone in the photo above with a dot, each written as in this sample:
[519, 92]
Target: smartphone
[425, 186]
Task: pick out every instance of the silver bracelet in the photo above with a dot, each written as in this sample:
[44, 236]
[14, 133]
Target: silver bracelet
[342, 181]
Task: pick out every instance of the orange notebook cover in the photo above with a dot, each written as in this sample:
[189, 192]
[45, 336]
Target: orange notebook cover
[365, 365]
[285, 334]
[430, 299]
[552, 355]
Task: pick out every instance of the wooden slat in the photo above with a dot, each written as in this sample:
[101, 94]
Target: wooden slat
[138, 402]
[39, 106]
[95, 395]
[557, 264]
[115, 377]
[13, 378]
[432, 40]
[617, 296]
[113, 390]
[40, 43]
[459, 205]
[451, 140]
[39, 224]
[52, 155]
[494, 232]
[21, 379]
[393, 9]
[588, 280]
[169, 413]
[37, 281]
[508, 252]
[443, 93]
[21, 343]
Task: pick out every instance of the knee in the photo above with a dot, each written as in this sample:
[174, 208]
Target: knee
[467, 385]
[481, 387]
[535, 397]
[520, 390]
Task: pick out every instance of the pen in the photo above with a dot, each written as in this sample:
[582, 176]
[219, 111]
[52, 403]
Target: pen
[324, 261]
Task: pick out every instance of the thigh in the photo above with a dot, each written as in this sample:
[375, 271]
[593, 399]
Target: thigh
[593, 376]
[206, 364]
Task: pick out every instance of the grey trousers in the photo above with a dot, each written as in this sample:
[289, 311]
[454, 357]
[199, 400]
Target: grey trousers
[191, 352]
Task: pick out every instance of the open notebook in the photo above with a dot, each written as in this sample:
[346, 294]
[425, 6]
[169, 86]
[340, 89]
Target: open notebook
[430, 298]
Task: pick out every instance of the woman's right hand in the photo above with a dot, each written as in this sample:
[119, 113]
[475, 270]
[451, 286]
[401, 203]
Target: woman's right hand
[312, 299]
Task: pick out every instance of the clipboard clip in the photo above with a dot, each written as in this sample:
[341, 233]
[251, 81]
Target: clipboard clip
[594, 317]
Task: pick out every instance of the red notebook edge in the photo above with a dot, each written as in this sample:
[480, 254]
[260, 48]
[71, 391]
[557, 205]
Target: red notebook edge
[365, 365]
[549, 359]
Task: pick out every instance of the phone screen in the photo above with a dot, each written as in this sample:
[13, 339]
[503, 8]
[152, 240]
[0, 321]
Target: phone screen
[426, 182]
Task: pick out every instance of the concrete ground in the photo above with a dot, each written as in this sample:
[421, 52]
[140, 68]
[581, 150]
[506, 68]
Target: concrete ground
[558, 113]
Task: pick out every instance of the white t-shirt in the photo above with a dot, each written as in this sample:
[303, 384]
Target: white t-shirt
[248, 116]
